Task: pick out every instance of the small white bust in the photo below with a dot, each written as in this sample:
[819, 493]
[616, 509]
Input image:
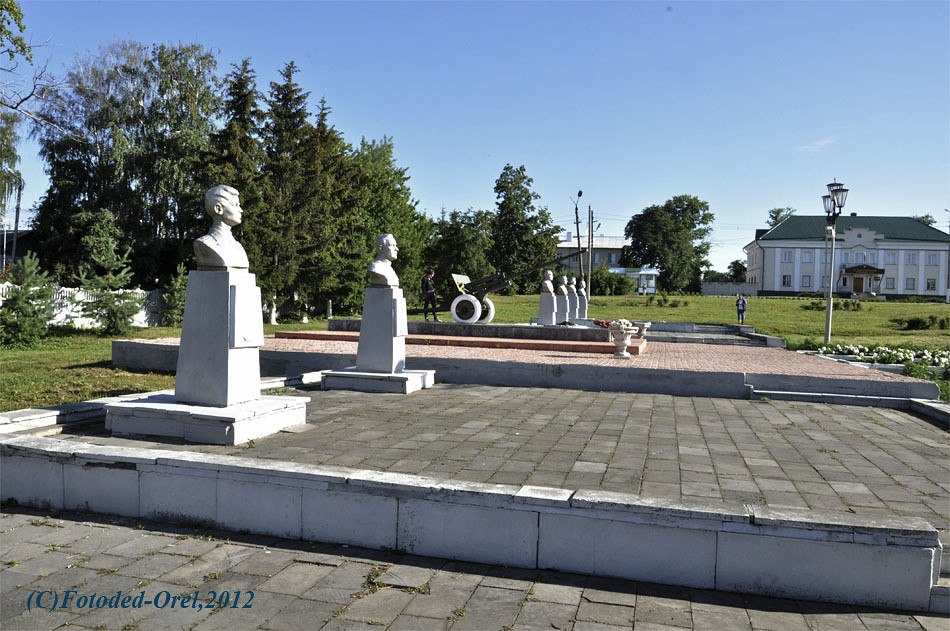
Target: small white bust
[381, 272]
[547, 285]
[572, 288]
[581, 288]
[218, 250]
[562, 288]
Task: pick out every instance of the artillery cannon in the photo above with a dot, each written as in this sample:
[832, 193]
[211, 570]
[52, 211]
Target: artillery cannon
[470, 304]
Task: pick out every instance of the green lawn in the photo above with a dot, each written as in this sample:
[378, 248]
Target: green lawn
[74, 366]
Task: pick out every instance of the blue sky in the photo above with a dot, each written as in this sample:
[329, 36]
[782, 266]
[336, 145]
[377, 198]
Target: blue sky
[747, 105]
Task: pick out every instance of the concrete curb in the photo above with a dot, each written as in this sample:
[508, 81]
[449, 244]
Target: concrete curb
[835, 557]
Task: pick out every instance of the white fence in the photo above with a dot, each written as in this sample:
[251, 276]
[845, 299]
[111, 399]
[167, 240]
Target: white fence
[729, 289]
[67, 309]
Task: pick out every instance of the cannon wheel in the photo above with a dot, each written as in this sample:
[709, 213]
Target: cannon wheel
[466, 309]
[488, 311]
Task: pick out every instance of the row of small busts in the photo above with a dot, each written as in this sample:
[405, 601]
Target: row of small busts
[565, 288]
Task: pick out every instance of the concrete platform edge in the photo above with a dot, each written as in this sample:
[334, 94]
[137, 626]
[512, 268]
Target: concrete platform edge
[836, 557]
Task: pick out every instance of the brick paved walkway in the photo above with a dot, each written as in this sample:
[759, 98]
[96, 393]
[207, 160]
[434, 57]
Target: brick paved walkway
[297, 585]
[780, 453]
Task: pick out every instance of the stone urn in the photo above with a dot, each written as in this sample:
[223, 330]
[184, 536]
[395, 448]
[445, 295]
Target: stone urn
[621, 333]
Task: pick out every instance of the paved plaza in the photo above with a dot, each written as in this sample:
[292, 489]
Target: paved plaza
[284, 584]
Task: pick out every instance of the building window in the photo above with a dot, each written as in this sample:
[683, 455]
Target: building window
[806, 256]
[889, 282]
[787, 256]
[846, 258]
[844, 281]
[932, 259]
[890, 258]
[931, 284]
[910, 283]
[786, 280]
[858, 258]
[806, 281]
[911, 258]
[872, 258]
[824, 282]
[825, 256]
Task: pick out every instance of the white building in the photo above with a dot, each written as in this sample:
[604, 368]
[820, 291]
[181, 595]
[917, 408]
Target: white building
[890, 256]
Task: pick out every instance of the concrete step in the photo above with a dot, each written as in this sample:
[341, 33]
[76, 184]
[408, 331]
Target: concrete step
[836, 399]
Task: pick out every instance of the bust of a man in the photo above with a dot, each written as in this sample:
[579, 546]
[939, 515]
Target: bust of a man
[547, 285]
[572, 288]
[218, 250]
[582, 288]
[562, 288]
[381, 272]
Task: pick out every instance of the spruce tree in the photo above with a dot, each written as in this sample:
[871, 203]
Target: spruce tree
[26, 310]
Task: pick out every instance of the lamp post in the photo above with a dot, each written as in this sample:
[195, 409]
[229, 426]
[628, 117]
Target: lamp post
[833, 203]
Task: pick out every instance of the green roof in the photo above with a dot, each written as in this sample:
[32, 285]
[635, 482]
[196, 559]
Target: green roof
[812, 227]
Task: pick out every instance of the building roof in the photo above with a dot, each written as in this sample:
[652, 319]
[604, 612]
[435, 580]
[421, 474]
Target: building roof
[601, 242]
[812, 227]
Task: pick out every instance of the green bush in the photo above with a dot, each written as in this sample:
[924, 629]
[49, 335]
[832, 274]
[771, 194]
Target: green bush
[25, 313]
[173, 295]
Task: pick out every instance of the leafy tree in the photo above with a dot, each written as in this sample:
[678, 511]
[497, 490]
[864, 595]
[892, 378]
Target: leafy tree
[672, 238]
[25, 313]
[712, 276]
[605, 283]
[461, 243]
[129, 129]
[778, 215]
[523, 236]
[737, 270]
[105, 279]
[927, 220]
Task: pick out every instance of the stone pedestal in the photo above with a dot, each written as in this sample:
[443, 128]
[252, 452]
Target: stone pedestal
[547, 310]
[383, 332]
[161, 415]
[381, 355]
[561, 308]
[571, 306]
[581, 307]
[218, 360]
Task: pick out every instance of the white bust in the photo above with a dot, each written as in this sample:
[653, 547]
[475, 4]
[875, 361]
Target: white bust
[218, 249]
[582, 288]
[381, 272]
[547, 285]
[562, 288]
[572, 288]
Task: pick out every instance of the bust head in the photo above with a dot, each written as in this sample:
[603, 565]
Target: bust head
[386, 248]
[222, 203]
[548, 275]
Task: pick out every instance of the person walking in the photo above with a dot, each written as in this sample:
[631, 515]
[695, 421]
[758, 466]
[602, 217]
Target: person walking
[741, 305]
[428, 295]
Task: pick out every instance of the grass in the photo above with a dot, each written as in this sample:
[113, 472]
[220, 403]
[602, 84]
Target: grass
[72, 366]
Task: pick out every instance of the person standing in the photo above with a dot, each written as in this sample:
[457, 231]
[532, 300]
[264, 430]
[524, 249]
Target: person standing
[428, 295]
[741, 305]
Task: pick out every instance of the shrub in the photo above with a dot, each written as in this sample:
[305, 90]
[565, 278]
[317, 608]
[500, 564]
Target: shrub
[24, 314]
[173, 294]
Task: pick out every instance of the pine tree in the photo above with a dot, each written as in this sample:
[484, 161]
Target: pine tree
[25, 313]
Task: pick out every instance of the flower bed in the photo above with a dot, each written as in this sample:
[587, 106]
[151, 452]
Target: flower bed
[888, 355]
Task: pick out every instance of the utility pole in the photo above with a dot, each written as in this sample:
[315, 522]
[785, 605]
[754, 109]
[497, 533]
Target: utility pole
[577, 227]
[590, 245]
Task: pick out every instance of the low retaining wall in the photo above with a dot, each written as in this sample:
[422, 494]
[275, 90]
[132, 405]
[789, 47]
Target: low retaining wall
[885, 562]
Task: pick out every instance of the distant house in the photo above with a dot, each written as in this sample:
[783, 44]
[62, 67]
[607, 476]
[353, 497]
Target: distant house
[890, 256]
[605, 251]
[25, 242]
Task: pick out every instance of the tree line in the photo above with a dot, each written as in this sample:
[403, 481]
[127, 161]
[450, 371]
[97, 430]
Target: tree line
[137, 134]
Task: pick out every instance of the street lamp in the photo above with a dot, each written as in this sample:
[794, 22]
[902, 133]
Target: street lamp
[833, 203]
[577, 227]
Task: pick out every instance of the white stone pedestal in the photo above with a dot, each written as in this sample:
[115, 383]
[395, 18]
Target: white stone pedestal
[218, 363]
[383, 331]
[560, 314]
[546, 310]
[581, 307]
[571, 306]
[161, 415]
[381, 355]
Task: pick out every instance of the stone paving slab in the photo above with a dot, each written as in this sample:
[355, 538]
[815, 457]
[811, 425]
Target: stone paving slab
[860, 460]
[348, 593]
